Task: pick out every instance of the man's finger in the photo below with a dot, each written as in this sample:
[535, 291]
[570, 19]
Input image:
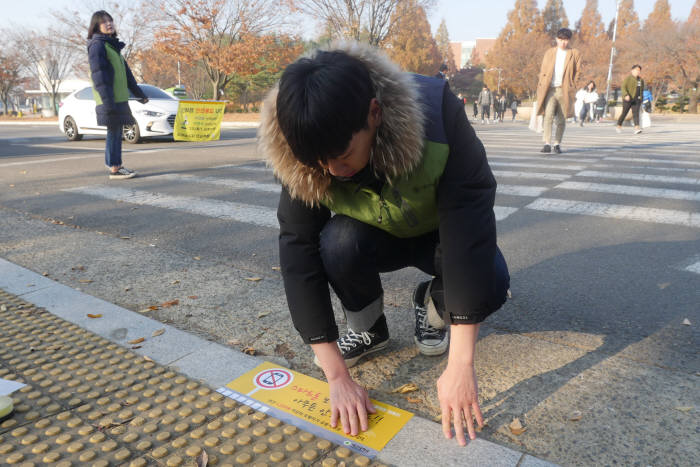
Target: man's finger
[334, 417]
[368, 404]
[477, 413]
[344, 420]
[459, 429]
[354, 425]
[446, 428]
[470, 422]
[362, 413]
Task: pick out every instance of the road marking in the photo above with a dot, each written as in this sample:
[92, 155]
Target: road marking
[252, 168]
[652, 161]
[694, 268]
[502, 212]
[257, 215]
[631, 190]
[617, 211]
[46, 161]
[537, 165]
[648, 167]
[545, 176]
[227, 182]
[535, 158]
[521, 190]
[644, 177]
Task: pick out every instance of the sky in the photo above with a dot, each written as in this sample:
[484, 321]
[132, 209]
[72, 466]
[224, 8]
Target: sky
[465, 19]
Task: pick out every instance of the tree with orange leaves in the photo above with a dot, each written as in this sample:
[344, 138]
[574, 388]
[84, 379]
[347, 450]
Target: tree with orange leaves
[225, 37]
[592, 40]
[411, 45]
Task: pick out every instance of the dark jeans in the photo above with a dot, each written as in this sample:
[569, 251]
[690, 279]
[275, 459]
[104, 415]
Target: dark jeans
[584, 112]
[354, 253]
[485, 110]
[626, 105]
[113, 146]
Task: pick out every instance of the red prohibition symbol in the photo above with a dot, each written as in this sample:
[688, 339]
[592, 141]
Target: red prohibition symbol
[274, 378]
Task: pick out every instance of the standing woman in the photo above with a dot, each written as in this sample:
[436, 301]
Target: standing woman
[111, 82]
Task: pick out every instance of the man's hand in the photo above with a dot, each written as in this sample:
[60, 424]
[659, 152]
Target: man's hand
[627, 98]
[458, 394]
[457, 389]
[349, 401]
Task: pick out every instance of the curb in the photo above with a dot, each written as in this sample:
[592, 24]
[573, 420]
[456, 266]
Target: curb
[30, 123]
[43, 123]
[419, 443]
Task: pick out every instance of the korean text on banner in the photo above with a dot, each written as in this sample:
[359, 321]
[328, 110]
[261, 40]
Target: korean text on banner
[286, 393]
[198, 120]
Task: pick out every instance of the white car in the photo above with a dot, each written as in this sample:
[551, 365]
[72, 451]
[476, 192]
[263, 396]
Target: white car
[76, 115]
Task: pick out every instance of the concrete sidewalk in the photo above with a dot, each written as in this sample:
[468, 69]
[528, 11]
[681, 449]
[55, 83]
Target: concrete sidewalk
[419, 443]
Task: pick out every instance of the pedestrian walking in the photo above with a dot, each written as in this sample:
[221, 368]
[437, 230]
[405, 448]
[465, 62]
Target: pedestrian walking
[442, 73]
[632, 92]
[485, 100]
[476, 110]
[381, 170]
[111, 82]
[599, 108]
[514, 108]
[556, 88]
[590, 97]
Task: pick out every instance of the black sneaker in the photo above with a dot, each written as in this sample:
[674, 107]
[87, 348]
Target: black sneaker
[547, 148]
[355, 345]
[557, 149]
[121, 174]
[431, 340]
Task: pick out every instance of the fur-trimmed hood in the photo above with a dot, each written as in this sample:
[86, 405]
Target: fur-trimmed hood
[398, 145]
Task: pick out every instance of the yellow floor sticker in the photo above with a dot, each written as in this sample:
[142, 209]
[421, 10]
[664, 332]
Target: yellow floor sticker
[304, 401]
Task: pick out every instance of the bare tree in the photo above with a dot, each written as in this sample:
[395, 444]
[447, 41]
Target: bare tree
[10, 77]
[46, 57]
[370, 21]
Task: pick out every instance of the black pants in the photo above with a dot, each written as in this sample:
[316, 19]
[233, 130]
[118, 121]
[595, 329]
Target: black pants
[485, 110]
[354, 253]
[634, 104]
[584, 112]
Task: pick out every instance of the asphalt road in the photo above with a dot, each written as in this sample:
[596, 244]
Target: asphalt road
[603, 245]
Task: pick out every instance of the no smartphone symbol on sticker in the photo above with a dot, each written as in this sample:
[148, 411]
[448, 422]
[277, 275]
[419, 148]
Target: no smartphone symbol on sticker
[274, 378]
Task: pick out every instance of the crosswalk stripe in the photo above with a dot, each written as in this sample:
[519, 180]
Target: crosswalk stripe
[617, 211]
[521, 190]
[653, 160]
[631, 190]
[694, 268]
[545, 176]
[250, 168]
[536, 158]
[537, 165]
[227, 182]
[257, 215]
[648, 167]
[503, 211]
[643, 177]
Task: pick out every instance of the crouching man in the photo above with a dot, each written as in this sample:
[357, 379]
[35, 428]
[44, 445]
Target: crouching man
[381, 170]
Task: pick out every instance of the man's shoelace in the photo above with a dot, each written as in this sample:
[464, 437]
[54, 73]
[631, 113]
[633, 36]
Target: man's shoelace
[425, 329]
[352, 339]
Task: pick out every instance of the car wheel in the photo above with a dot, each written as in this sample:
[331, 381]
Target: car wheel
[71, 130]
[132, 134]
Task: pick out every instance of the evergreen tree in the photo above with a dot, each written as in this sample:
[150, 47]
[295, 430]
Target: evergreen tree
[442, 38]
[554, 17]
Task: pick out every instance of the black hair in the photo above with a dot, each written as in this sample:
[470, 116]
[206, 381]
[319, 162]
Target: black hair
[564, 33]
[636, 66]
[97, 18]
[322, 101]
[443, 67]
[591, 82]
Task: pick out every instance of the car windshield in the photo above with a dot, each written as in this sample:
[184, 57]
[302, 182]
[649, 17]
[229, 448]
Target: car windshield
[151, 92]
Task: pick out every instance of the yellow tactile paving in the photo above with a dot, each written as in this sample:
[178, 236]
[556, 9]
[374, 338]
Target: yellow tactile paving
[91, 402]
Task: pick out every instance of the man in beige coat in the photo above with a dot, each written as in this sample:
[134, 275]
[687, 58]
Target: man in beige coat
[556, 88]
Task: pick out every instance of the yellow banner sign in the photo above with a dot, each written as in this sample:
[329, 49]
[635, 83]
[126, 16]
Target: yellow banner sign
[305, 402]
[198, 121]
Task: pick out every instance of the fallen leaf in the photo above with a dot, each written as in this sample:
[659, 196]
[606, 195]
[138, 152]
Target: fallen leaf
[263, 314]
[414, 400]
[158, 332]
[437, 418]
[146, 357]
[202, 459]
[45, 274]
[85, 281]
[12, 185]
[170, 303]
[686, 322]
[153, 307]
[516, 427]
[664, 285]
[3, 307]
[575, 416]
[137, 341]
[124, 237]
[253, 279]
[233, 342]
[90, 315]
[510, 295]
[685, 409]
[78, 268]
[409, 387]
[136, 346]
[197, 258]
[249, 351]
[126, 289]
[175, 282]
[276, 268]
[193, 297]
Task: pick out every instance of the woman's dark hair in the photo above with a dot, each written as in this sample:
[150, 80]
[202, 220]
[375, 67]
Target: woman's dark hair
[97, 18]
[322, 101]
[589, 83]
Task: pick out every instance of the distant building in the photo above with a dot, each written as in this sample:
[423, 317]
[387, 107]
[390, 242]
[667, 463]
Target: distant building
[469, 53]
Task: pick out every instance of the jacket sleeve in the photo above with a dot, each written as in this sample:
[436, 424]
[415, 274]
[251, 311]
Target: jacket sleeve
[466, 196]
[305, 282]
[101, 73]
[131, 83]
